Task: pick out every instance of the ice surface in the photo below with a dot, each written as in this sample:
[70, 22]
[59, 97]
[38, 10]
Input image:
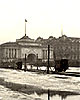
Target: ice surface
[43, 81]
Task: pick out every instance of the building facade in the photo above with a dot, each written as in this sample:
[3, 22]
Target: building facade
[60, 48]
[64, 48]
[15, 51]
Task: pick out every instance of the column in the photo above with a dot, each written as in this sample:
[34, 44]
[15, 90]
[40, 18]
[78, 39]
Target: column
[8, 52]
[46, 54]
[16, 53]
[12, 53]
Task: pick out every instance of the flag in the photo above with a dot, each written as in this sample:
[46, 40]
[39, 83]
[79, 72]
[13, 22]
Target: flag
[25, 20]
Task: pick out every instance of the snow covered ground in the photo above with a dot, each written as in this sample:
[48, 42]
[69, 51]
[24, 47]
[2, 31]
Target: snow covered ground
[42, 81]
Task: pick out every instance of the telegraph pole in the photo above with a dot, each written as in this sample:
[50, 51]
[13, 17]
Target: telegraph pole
[48, 59]
[25, 64]
[48, 94]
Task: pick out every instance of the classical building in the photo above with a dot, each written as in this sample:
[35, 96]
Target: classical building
[15, 51]
[60, 48]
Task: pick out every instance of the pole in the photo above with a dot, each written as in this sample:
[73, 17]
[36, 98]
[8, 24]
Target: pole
[25, 63]
[61, 30]
[48, 94]
[54, 57]
[25, 28]
[48, 59]
[37, 61]
[78, 53]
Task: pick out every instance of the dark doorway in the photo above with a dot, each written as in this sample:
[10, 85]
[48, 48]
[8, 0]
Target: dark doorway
[32, 58]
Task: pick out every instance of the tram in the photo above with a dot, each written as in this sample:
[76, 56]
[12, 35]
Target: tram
[61, 65]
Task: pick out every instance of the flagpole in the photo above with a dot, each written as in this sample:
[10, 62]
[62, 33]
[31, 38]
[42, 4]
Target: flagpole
[61, 30]
[25, 28]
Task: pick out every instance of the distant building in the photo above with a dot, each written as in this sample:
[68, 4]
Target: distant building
[14, 51]
[60, 48]
[65, 48]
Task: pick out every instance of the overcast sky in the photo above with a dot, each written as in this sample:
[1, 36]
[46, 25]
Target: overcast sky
[45, 18]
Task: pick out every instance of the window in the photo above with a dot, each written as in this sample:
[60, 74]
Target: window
[44, 54]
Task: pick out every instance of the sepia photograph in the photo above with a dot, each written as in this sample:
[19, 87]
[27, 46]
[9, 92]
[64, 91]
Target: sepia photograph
[39, 49]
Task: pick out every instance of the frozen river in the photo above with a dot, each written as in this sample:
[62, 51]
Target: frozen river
[20, 85]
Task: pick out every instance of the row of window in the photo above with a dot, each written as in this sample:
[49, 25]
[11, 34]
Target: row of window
[73, 57]
[67, 47]
[11, 53]
[45, 54]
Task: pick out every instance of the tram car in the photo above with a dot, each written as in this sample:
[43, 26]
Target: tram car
[61, 65]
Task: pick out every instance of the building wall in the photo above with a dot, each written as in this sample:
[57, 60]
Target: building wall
[0, 54]
[68, 49]
[10, 53]
[45, 54]
[63, 48]
[31, 50]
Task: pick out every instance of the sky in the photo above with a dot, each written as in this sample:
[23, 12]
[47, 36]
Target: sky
[44, 18]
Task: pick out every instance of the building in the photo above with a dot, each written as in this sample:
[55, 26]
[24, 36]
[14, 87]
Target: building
[68, 48]
[60, 48]
[64, 48]
[15, 51]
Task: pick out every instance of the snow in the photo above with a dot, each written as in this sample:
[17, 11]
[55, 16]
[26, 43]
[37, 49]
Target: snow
[7, 94]
[43, 81]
